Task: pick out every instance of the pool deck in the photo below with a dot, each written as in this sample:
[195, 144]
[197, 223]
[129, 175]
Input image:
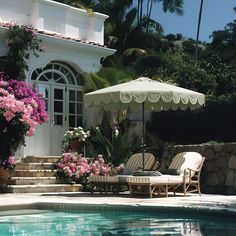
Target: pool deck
[206, 202]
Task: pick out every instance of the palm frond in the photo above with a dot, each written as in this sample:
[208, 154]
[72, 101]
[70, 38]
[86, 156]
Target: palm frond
[134, 51]
[109, 28]
[94, 82]
[111, 40]
[114, 75]
[78, 5]
[173, 6]
[130, 17]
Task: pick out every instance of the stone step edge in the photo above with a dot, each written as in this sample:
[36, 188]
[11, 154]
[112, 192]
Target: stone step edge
[42, 157]
[19, 170]
[33, 178]
[42, 186]
[35, 163]
[39, 159]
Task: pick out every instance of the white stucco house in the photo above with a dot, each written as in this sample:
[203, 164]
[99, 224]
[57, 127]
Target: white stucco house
[74, 42]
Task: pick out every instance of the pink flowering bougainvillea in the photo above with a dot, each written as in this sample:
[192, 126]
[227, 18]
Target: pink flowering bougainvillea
[21, 109]
[30, 96]
[21, 105]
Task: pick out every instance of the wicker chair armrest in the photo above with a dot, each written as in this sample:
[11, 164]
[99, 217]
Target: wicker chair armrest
[197, 170]
[188, 173]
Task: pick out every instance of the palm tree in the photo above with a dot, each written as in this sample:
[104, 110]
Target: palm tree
[140, 11]
[198, 30]
[173, 6]
[106, 77]
[121, 22]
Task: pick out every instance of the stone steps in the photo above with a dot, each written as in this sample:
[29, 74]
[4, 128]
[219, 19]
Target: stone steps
[37, 174]
[40, 159]
[34, 180]
[35, 166]
[41, 188]
[34, 173]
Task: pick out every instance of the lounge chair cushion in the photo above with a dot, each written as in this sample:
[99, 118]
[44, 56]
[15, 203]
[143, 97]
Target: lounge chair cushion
[186, 160]
[136, 161]
[170, 171]
[123, 179]
[162, 180]
[147, 173]
[103, 179]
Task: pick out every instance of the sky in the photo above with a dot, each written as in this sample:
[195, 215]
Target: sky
[215, 16]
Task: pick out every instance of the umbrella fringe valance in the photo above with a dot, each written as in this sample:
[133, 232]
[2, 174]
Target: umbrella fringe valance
[158, 106]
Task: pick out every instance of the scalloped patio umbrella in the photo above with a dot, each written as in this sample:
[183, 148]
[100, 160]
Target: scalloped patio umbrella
[147, 94]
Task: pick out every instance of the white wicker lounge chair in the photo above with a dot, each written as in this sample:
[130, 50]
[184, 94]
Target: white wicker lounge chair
[188, 164]
[134, 162]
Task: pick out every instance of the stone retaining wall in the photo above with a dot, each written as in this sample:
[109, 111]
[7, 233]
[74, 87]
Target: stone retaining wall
[219, 170]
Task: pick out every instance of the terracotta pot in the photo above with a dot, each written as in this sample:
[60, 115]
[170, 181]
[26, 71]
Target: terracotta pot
[74, 145]
[4, 175]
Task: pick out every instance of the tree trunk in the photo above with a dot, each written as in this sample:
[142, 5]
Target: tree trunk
[198, 30]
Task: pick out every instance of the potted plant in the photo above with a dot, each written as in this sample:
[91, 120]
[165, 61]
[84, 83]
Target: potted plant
[74, 138]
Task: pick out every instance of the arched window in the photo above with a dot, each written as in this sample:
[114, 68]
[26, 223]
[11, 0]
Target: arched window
[62, 88]
[58, 72]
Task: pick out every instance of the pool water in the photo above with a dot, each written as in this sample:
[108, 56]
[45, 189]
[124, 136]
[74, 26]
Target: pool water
[106, 223]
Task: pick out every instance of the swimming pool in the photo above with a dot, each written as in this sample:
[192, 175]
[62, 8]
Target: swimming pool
[43, 222]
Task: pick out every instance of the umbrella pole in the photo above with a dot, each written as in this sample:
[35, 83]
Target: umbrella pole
[143, 135]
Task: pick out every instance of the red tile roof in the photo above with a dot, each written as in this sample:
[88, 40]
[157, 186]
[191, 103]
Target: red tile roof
[54, 34]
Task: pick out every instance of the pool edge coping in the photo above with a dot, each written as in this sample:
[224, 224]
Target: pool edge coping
[59, 206]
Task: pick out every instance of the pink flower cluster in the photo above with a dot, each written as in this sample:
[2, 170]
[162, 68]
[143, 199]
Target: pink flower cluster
[99, 167]
[78, 168]
[120, 169]
[73, 166]
[19, 99]
[10, 108]
[30, 96]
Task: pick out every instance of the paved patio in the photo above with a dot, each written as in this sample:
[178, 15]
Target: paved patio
[220, 203]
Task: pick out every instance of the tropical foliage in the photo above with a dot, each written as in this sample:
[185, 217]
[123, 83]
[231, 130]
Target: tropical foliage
[224, 44]
[116, 147]
[21, 42]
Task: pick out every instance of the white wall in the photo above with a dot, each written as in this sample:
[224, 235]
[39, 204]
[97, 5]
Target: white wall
[47, 15]
[87, 57]
[15, 10]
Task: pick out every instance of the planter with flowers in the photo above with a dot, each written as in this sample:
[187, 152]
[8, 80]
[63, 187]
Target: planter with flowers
[73, 139]
[74, 168]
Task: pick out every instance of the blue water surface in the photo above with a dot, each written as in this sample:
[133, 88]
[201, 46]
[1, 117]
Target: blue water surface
[106, 223]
